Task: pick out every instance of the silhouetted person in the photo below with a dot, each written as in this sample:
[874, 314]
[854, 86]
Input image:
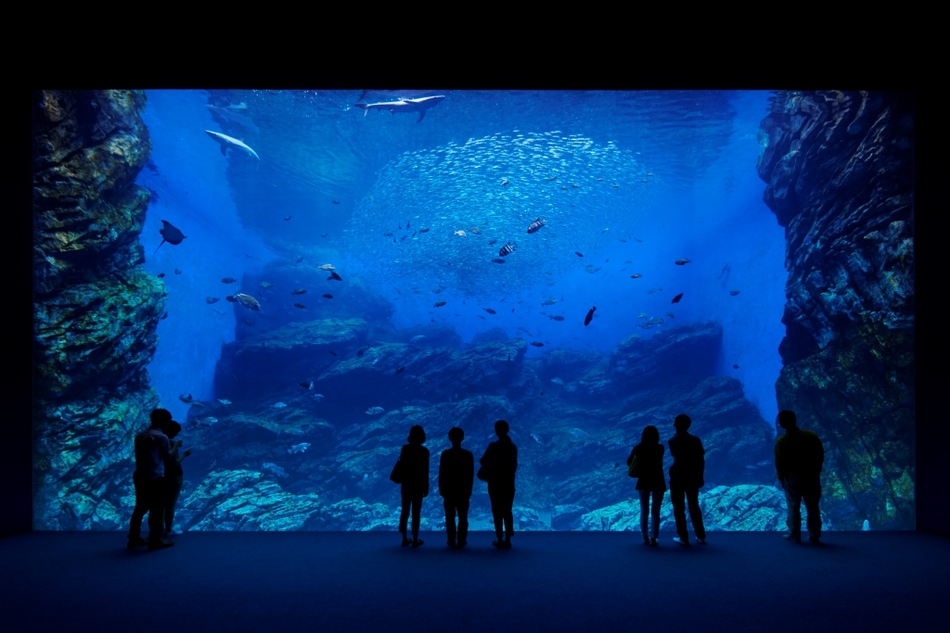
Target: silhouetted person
[456, 475]
[650, 482]
[415, 482]
[686, 478]
[799, 457]
[174, 477]
[151, 449]
[500, 462]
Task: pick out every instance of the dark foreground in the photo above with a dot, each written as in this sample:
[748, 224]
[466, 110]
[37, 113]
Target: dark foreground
[563, 581]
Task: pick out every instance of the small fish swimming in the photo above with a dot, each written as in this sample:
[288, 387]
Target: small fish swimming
[177, 271]
[298, 259]
[326, 267]
[557, 381]
[298, 448]
[507, 249]
[298, 291]
[331, 352]
[504, 182]
[635, 276]
[211, 300]
[318, 397]
[578, 253]
[489, 311]
[550, 301]
[327, 295]
[299, 306]
[334, 277]
[279, 405]
[228, 280]
[224, 401]
[186, 399]
[537, 343]
[733, 293]
[681, 262]
[677, 298]
[438, 304]
[287, 218]
[306, 384]
[590, 316]
[375, 411]
[536, 225]
[460, 233]
[161, 275]
[399, 370]
[498, 260]
[556, 317]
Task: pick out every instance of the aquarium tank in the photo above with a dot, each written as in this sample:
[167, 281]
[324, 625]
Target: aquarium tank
[300, 276]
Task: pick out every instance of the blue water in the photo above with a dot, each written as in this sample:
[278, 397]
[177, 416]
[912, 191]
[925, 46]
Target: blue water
[645, 177]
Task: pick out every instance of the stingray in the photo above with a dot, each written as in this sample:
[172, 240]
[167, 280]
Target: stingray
[170, 234]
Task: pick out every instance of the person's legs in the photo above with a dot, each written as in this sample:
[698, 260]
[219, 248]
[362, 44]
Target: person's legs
[138, 513]
[416, 515]
[404, 517]
[812, 495]
[496, 511]
[173, 491]
[463, 522]
[695, 513]
[793, 499]
[645, 514]
[156, 509]
[449, 506]
[677, 497]
[657, 502]
[509, 516]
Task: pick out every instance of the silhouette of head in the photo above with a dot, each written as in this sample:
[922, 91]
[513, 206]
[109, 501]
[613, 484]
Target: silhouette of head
[456, 435]
[160, 418]
[787, 420]
[682, 422]
[172, 429]
[651, 435]
[501, 428]
[417, 435]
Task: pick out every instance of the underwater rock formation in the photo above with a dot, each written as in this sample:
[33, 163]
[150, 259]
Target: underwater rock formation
[95, 311]
[839, 172]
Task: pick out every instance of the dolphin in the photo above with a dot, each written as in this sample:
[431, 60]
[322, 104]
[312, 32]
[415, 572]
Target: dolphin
[419, 105]
[226, 141]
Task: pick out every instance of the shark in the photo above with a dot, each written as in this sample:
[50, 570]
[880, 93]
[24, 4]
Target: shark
[226, 141]
[419, 105]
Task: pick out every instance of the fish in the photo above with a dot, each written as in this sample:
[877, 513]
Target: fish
[498, 260]
[424, 230]
[170, 234]
[536, 225]
[211, 300]
[507, 249]
[590, 316]
[326, 267]
[226, 142]
[298, 259]
[327, 295]
[420, 105]
[733, 293]
[300, 306]
[306, 384]
[279, 405]
[177, 271]
[578, 253]
[375, 410]
[557, 381]
[550, 301]
[298, 448]
[331, 352]
[318, 397]
[247, 301]
[298, 291]
[492, 242]
[224, 401]
[438, 304]
[362, 350]
[335, 201]
[677, 298]
[556, 317]
[735, 366]
[334, 277]
[635, 276]
[186, 399]
[489, 310]
[324, 234]
[537, 343]
[671, 315]
[231, 299]
[399, 370]
[275, 469]
[287, 218]
[460, 233]
[164, 316]
[681, 262]
[161, 275]
[228, 280]
[266, 284]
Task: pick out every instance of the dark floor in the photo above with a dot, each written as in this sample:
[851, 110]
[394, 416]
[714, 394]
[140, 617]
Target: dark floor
[561, 581]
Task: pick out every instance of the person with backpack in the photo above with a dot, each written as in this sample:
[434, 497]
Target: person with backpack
[646, 464]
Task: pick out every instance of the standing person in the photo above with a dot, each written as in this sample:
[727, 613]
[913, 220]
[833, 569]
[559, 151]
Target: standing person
[174, 477]
[650, 481]
[686, 478]
[499, 464]
[151, 449]
[415, 482]
[456, 475]
[799, 457]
